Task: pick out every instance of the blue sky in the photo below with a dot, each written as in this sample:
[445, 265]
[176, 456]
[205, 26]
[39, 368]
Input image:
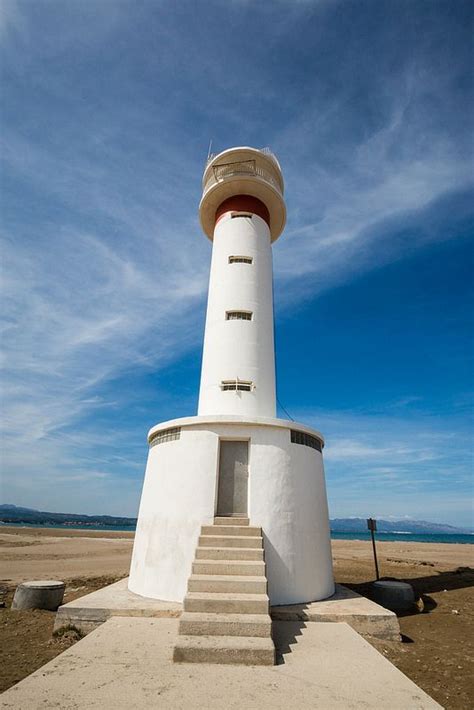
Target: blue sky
[108, 110]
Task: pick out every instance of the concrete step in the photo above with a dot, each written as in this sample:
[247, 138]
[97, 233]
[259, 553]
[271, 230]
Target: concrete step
[227, 583]
[238, 530]
[225, 649]
[249, 568]
[231, 521]
[201, 624]
[229, 553]
[229, 541]
[226, 603]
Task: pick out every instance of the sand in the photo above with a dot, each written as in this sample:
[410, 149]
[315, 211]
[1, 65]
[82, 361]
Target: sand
[48, 553]
[440, 554]
[31, 553]
[437, 651]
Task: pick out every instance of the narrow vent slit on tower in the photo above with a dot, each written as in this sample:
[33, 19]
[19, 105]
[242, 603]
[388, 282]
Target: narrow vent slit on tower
[238, 315]
[300, 437]
[236, 385]
[165, 435]
[240, 259]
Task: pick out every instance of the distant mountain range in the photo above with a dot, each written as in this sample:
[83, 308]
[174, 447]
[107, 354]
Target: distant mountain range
[15, 514]
[356, 525]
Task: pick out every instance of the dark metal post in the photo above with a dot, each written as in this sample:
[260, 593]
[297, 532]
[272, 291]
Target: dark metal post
[372, 525]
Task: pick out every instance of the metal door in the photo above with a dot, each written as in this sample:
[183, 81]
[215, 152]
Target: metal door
[233, 478]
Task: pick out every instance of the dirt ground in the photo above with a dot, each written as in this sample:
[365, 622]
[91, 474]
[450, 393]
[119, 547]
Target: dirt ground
[26, 637]
[437, 651]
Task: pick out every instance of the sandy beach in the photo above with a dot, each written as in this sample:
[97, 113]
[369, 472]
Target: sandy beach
[50, 553]
[437, 650]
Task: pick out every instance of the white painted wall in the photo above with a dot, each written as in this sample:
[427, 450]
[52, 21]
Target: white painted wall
[287, 498]
[177, 498]
[239, 349]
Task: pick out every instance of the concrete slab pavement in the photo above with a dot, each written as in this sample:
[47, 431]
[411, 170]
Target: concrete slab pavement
[363, 615]
[90, 611]
[127, 663]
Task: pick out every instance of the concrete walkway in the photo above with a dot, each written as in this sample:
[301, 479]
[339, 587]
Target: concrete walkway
[127, 663]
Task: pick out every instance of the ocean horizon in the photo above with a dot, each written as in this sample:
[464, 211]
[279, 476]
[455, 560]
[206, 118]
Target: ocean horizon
[402, 536]
[450, 538]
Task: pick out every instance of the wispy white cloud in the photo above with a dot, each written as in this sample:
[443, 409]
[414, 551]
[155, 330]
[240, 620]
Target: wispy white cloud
[81, 307]
[349, 449]
[343, 211]
[11, 18]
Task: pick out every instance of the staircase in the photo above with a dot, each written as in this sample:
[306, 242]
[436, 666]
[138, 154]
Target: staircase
[225, 615]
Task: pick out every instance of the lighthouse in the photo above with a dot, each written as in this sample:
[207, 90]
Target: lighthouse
[235, 460]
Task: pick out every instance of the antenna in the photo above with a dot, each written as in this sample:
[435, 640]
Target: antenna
[209, 151]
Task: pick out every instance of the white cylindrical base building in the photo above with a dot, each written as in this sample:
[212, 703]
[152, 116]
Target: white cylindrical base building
[284, 490]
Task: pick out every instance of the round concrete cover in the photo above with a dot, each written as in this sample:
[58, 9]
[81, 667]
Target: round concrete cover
[39, 594]
[394, 595]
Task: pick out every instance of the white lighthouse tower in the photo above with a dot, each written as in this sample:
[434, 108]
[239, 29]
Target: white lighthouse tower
[235, 458]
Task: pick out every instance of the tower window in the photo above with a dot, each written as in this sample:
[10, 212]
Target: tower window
[300, 437]
[240, 259]
[238, 315]
[234, 215]
[165, 435]
[237, 385]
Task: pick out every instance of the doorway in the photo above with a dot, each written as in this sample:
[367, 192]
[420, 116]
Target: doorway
[233, 478]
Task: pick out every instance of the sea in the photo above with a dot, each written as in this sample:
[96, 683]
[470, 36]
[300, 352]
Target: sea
[463, 539]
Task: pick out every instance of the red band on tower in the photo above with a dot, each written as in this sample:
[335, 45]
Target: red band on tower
[243, 203]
